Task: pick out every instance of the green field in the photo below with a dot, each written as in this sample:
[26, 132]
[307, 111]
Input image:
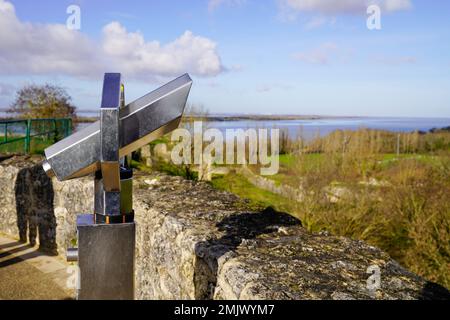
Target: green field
[37, 145]
[362, 190]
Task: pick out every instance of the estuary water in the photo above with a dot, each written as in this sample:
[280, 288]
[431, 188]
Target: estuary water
[323, 126]
[310, 128]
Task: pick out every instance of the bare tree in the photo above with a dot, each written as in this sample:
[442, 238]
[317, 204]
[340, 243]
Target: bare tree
[42, 101]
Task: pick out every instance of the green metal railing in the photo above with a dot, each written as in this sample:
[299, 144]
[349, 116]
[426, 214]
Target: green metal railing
[32, 135]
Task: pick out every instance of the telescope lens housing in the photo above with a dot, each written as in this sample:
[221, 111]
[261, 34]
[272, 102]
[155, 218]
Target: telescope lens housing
[48, 169]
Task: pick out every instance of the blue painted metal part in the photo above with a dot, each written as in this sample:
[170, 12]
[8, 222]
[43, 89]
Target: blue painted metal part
[111, 90]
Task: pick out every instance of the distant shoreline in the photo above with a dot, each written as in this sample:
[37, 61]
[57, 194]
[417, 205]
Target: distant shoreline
[248, 117]
[260, 117]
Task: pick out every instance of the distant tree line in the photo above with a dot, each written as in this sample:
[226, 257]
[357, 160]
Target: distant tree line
[368, 141]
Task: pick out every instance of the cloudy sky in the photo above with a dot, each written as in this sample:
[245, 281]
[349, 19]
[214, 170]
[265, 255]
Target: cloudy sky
[245, 56]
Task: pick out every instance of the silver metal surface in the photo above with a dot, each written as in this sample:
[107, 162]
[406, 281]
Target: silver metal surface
[48, 169]
[109, 148]
[126, 198]
[106, 260]
[72, 255]
[140, 122]
[109, 143]
[109, 132]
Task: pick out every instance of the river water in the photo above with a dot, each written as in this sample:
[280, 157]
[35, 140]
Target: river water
[310, 128]
[323, 126]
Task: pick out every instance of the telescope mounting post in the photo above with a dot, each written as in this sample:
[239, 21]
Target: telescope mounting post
[107, 238]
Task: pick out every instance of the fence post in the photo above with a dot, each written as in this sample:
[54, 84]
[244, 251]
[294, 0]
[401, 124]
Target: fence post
[27, 137]
[55, 131]
[66, 127]
[5, 138]
[69, 127]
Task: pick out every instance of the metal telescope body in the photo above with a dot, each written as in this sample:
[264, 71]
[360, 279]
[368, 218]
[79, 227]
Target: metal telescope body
[106, 237]
[140, 122]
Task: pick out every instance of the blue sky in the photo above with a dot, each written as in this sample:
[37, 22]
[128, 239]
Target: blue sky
[245, 56]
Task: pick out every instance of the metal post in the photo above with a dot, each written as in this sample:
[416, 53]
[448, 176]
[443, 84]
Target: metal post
[64, 128]
[106, 259]
[27, 136]
[55, 131]
[69, 127]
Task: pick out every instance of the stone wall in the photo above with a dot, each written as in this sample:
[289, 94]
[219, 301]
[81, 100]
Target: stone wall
[30, 202]
[194, 242]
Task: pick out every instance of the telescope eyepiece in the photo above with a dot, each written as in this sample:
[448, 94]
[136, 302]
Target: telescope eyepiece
[48, 169]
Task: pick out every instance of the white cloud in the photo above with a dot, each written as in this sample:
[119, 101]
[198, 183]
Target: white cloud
[131, 53]
[320, 55]
[333, 7]
[38, 49]
[325, 12]
[396, 5]
[28, 48]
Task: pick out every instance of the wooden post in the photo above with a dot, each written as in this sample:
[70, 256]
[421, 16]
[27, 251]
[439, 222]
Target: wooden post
[398, 144]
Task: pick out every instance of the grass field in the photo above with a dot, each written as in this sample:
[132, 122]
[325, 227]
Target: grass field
[397, 202]
[37, 145]
[259, 198]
